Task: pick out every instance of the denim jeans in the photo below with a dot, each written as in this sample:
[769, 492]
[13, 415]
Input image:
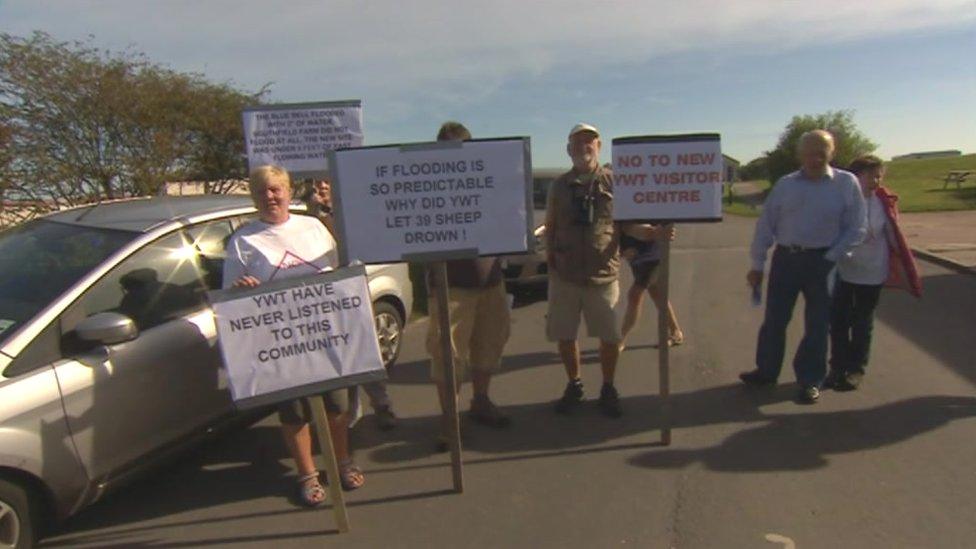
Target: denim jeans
[851, 324]
[791, 274]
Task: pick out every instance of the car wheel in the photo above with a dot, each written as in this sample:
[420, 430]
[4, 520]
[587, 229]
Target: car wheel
[389, 330]
[17, 516]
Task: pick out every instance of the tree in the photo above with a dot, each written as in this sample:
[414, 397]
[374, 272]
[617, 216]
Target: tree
[84, 124]
[755, 169]
[849, 142]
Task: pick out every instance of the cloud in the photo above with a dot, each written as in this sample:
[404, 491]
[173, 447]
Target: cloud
[454, 53]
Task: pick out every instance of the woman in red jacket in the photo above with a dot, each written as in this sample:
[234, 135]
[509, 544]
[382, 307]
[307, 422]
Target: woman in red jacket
[884, 258]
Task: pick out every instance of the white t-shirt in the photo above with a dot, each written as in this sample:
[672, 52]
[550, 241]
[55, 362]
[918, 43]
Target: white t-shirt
[300, 246]
[868, 262]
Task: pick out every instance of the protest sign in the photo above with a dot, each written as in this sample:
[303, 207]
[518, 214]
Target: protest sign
[296, 136]
[297, 336]
[433, 200]
[667, 178]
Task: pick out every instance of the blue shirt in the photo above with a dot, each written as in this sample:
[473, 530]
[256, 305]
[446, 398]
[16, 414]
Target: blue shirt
[824, 213]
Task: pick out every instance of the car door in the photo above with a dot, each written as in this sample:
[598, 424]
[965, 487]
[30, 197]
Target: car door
[129, 399]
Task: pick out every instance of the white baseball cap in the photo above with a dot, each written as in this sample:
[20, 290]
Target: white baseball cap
[583, 127]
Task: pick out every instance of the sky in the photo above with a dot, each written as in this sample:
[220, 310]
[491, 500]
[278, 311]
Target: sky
[741, 68]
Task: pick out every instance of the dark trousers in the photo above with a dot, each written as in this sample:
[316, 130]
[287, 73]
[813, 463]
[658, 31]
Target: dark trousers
[851, 324]
[791, 274]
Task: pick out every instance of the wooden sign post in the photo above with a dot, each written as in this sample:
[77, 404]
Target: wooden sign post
[430, 203]
[324, 434]
[664, 337]
[438, 270]
[665, 179]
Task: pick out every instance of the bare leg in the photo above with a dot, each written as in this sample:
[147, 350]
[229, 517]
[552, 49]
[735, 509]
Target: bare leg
[339, 426]
[442, 395]
[635, 303]
[655, 294]
[609, 352]
[298, 440]
[569, 352]
[480, 381]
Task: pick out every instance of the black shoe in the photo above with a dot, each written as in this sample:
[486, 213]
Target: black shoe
[484, 411]
[756, 379]
[849, 381]
[610, 401]
[385, 418]
[809, 394]
[572, 397]
[833, 379]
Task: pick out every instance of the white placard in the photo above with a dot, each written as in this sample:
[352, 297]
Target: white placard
[469, 198]
[298, 336]
[298, 136]
[668, 178]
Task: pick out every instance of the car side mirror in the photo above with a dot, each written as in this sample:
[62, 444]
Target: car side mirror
[107, 329]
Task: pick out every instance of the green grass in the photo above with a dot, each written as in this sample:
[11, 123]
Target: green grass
[918, 184]
[747, 198]
[739, 208]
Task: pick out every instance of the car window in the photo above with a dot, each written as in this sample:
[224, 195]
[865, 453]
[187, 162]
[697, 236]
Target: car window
[41, 351]
[41, 259]
[210, 242]
[160, 282]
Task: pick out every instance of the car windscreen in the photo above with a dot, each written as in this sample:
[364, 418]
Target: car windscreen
[41, 259]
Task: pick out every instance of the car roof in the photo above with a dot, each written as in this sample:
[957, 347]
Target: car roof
[144, 214]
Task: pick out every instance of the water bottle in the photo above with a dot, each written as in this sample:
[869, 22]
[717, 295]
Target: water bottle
[756, 297]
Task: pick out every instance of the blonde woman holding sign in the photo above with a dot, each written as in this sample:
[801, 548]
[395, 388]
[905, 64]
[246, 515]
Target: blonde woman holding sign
[280, 245]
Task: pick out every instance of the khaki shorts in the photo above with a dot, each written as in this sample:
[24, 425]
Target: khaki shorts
[480, 324]
[567, 301]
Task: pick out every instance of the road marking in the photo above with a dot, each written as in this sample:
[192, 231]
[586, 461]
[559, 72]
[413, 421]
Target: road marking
[776, 538]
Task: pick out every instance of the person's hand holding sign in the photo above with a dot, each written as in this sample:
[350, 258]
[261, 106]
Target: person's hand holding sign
[754, 278]
[246, 281]
[664, 231]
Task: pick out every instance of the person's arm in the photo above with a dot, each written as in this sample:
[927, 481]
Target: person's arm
[853, 225]
[647, 232]
[551, 225]
[764, 236]
[235, 271]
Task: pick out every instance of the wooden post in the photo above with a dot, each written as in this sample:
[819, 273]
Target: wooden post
[324, 433]
[439, 279]
[663, 335]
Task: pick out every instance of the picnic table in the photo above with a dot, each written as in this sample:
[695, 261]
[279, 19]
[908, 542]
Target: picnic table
[957, 177]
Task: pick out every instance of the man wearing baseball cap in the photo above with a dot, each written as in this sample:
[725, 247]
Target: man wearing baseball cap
[582, 252]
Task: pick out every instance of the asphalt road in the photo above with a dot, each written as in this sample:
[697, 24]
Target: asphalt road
[891, 465]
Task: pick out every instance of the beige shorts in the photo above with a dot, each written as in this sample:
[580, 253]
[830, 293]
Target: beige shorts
[480, 324]
[567, 301]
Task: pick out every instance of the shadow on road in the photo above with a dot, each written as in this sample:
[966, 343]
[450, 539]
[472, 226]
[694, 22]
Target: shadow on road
[793, 442]
[417, 372]
[248, 465]
[942, 322]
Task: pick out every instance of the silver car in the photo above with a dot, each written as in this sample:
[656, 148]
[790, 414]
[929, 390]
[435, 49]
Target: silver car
[108, 361]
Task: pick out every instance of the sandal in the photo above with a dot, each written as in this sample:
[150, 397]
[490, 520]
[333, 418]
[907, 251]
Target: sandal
[350, 476]
[310, 490]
